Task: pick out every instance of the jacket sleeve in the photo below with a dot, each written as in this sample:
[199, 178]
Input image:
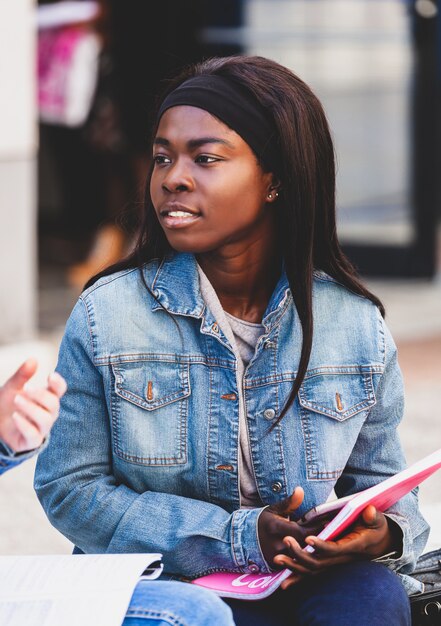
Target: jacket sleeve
[10, 459]
[378, 448]
[83, 499]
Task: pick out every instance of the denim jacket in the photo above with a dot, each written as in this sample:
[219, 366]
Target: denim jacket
[10, 459]
[144, 456]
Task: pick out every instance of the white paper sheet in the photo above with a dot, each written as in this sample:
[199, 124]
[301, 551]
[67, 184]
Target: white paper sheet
[68, 590]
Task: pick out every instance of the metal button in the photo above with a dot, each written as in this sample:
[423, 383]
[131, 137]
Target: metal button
[215, 327]
[253, 567]
[269, 344]
[276, 487]
[269, 414]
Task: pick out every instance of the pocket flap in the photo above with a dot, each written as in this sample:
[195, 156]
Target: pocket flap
[152, 384]
[339, 396]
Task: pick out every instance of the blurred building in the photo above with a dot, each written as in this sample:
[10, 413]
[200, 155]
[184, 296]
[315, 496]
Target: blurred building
[18, 147]
[373, 63]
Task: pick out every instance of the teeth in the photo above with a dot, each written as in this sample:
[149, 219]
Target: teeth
[179, 214]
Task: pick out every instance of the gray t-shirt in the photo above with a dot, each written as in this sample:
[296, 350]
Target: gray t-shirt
[243, 337]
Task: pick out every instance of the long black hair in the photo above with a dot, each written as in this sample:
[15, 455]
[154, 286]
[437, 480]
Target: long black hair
[306, 203]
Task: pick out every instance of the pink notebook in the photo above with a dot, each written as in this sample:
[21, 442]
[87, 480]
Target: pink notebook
[382, 496]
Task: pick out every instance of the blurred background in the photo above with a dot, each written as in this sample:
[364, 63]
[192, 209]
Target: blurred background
[79, 80]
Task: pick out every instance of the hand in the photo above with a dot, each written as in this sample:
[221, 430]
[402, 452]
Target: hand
[27, 415]
[274, 525]
[369, 538]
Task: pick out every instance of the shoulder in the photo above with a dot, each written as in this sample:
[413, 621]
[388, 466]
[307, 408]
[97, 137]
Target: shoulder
[347, 319]
[111, 316]
[326, 288]
[126, 282]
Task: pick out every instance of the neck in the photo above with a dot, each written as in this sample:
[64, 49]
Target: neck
[244, 277]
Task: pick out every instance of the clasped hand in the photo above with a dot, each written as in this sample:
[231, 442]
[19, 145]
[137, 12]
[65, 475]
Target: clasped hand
[282, 541]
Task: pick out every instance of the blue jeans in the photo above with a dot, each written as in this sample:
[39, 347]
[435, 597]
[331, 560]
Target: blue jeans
[361, 594]
[170, 603]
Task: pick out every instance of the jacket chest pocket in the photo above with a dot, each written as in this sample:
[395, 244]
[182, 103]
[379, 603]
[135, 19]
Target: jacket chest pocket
[333, 408]
[150, 412]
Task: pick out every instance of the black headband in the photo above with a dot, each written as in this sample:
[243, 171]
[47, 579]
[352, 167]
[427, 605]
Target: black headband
[235, 106]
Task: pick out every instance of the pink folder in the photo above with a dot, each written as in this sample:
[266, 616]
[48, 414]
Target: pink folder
[382, 496]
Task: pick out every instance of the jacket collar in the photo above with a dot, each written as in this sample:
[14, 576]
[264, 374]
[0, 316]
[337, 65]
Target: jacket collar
[176, 288]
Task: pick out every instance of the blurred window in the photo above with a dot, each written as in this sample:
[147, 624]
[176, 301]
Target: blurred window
[356, 55]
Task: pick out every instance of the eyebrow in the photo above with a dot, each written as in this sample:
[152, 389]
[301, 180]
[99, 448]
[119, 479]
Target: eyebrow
[195, 143]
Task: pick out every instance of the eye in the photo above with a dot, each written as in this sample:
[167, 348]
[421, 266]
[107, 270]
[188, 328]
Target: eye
[161, 159]
[205, 159]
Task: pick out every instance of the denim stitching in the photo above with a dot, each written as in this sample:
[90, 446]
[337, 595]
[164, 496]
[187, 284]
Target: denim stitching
[209, 448]
[287, 376]
[159, 268]
[166, 616]
[354, 410]
[105, 280]
[178, 459]
[311, 462]
[89, 326]
[170, 358]
[132, 397]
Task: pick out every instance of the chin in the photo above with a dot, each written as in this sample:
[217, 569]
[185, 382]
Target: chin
[191, 247]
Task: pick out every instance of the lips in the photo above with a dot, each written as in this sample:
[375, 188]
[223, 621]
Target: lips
[178, 216]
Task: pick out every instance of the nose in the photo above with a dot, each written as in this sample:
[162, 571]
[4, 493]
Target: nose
[178, 178]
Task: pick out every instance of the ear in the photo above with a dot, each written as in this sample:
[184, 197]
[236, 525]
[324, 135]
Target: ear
[273, 190]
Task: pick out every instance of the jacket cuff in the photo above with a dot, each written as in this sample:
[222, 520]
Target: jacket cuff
[245, 544]
[10, 458]
[404, 555]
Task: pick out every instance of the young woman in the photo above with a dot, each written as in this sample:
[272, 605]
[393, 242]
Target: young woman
[234, 357]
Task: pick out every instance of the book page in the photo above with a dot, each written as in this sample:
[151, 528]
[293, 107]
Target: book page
[81, 589]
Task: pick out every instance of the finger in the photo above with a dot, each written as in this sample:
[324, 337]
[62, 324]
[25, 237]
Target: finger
[40, 418]
[350, 547]
[22, 375]
[326, 548]
[307, 563]
[290, 581]
[57, 384]
[285, 562]
[29, 435]
[317, 567]
[369, 515]
[311, 561]
[288, 505]
[297, 568]
[283, 527]
[47, 400]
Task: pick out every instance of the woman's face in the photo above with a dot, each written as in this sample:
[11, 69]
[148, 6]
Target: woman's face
[207, 187]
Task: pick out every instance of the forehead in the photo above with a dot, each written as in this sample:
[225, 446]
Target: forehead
[187, 122]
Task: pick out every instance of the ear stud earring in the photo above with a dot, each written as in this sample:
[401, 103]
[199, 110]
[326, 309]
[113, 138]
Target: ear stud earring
[272, 195]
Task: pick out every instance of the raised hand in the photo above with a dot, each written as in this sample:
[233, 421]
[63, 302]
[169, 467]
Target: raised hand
[27, 415]
[370, 537]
